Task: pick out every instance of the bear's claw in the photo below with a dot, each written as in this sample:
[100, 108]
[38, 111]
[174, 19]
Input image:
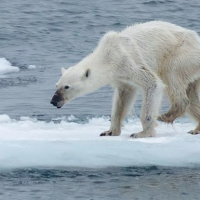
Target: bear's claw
[133, 135]
[107, 133]
[194, 132]
[143, 134]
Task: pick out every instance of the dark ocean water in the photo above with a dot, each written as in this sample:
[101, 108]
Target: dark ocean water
[57, 33]
[112, 183]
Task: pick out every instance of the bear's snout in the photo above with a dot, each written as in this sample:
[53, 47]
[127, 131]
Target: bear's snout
[56, 100]
[54, 103]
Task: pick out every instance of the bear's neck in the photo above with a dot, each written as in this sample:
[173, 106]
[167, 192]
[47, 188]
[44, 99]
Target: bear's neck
[101, 70]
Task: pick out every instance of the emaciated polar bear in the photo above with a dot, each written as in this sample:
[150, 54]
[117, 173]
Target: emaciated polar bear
[154, 57]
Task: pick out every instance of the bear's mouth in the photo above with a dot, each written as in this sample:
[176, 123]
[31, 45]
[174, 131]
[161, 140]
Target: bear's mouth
[57, 104]
[60, 104]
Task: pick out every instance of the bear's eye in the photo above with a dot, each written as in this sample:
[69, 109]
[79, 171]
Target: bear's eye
[66, 87]
[87, 73]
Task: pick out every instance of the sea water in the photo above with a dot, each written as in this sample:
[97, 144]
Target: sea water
[49, 153]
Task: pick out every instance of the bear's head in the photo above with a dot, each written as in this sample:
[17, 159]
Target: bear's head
[73, 83]
[77, 81]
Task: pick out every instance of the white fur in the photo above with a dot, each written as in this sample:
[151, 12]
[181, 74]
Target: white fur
[149, 56]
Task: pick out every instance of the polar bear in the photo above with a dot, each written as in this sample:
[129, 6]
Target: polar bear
[154, 57]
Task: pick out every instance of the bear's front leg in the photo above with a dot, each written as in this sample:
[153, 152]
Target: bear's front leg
[152, 88]
[148, 124]
[123, 99]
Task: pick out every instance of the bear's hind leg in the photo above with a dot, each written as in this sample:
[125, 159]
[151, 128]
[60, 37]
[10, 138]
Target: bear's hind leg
[194, 106]
[179, 101]
[177, 110]
[123, 99]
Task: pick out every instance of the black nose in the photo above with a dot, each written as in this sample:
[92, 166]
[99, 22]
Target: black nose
[54, 103]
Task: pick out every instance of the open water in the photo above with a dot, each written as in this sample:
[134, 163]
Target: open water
[49, 153]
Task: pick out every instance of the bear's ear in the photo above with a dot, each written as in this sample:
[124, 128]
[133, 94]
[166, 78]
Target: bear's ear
[63, 70]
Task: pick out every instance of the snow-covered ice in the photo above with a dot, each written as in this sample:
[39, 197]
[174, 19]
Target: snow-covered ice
[31, 67]
[29, 142]
[6, 67]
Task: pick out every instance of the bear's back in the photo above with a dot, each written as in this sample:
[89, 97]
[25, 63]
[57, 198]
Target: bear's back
[153, 28]
[157, 39]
